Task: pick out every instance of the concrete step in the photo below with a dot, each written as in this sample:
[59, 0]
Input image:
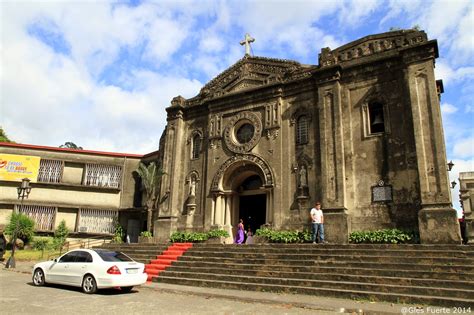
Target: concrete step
[329, 284]
[339, 292]
[183, 265]
[329, 276]
[348, 264]
[330, 256]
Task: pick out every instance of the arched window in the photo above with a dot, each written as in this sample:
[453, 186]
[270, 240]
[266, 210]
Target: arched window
[376, 118]
[302, 130]
[196, 148]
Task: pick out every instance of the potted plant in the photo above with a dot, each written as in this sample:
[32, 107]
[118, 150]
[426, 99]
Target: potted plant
[146, 237]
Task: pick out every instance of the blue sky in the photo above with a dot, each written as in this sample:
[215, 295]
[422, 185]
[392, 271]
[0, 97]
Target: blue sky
[100, 73]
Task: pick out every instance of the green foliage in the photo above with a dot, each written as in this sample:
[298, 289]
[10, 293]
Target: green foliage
[60, 235]
[23, 225]
[284, 236]
[196, 237]
[3, 136]
[217, 233]
[42, 243]
[118, 234]
[146, 234]
[70, 145]
[387, 236]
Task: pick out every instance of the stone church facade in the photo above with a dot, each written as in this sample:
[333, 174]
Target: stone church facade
[361, 132]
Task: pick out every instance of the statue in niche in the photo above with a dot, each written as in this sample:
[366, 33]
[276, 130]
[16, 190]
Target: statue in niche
[303, 177]
[192, 187]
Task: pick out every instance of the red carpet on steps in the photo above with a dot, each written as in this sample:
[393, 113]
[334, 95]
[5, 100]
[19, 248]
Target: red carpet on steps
[172, 253]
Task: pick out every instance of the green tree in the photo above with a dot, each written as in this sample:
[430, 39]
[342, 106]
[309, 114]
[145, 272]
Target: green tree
[3, 136]
[70, 145]
[60, 235]
[21, 226]
[150, 175]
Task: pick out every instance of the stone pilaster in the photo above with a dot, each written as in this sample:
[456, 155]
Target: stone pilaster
[172, 183]
[437, 219]
[332, 161]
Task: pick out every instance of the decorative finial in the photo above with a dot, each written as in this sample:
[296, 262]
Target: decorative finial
[248, 39]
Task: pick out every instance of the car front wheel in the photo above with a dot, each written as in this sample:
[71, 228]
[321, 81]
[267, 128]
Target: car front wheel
[38, 277]
[89, 285]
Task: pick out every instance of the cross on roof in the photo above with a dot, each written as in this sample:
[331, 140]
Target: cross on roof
[248, 39]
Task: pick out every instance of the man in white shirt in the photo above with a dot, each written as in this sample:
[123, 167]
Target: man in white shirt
[317, 219]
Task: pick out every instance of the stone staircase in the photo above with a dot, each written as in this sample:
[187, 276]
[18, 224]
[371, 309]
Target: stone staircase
[434, 275]
[419, 274]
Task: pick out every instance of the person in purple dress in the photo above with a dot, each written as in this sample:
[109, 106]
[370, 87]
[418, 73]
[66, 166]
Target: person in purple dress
[239, 237]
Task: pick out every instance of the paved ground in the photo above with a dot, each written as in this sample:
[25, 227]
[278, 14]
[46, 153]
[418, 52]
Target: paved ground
[19, 296]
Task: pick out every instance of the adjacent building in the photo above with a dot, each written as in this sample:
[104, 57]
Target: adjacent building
[466, 196]
[92, 191]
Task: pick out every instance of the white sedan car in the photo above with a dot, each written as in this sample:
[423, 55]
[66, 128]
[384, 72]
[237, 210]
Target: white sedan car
[91, 269]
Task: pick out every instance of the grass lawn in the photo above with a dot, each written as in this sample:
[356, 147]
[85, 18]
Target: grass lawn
[31, 254]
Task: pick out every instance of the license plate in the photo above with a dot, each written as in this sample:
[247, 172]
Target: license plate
[132, 270]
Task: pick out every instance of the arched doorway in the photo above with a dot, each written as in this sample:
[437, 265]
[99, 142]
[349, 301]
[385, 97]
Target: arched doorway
[252, 202]
[242, 188]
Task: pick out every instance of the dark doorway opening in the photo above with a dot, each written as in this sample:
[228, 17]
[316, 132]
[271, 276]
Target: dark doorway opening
[252, 210]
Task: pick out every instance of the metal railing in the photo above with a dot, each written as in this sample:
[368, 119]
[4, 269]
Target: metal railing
[82, 243]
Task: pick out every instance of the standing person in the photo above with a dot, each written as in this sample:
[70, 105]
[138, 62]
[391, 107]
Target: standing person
[239, 237]
[249, 239]
[317, 219]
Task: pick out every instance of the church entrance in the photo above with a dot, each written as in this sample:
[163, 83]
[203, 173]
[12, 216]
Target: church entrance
[252, 209]
[252, 203]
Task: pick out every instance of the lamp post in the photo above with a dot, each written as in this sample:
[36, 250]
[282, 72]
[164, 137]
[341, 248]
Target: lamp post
[23, 192]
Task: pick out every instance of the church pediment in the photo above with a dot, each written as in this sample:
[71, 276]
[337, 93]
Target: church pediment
[249, 72]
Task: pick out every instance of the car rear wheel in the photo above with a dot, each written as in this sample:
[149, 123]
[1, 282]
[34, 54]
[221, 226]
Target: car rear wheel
[126, 289]
[89, 284]
[38, 277]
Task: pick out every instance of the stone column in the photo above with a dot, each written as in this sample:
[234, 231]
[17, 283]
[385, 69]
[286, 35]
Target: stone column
[171, 187]
[332, 161]
[437, 219]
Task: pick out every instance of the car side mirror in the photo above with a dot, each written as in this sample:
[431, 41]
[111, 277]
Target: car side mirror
[55, 260]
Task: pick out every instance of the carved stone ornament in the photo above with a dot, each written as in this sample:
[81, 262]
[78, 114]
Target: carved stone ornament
[238, 127]
[248, 158]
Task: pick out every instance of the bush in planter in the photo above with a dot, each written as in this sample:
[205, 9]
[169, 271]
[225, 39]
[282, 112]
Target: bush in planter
[217, 234]
[386, 236]
[193, 237]
[284, 236]
[146, 234]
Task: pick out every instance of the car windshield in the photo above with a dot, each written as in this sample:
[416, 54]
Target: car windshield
[108, 255]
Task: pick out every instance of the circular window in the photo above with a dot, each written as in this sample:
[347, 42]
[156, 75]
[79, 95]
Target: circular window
[245, 133]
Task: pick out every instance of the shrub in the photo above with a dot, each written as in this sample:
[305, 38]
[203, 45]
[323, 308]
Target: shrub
[217, 233]
[41, 243]
[60, 235]
[386, 236]
[146, 234]
[118, 234]
[196, 237]
[284, 236]
[23, 225]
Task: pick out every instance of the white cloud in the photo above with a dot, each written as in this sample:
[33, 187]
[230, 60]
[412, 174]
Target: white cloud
[447, 108]
[464, 148]
[445, 72]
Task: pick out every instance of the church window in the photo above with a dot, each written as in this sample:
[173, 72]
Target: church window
[245, 133]
[196, 147]
[97, 221]
[376, 118]
[302, 130]
[43, 216]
